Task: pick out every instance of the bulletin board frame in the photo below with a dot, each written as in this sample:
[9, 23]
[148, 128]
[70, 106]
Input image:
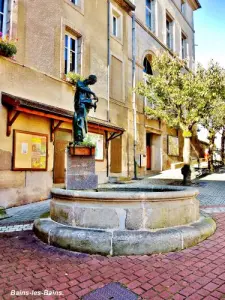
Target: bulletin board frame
[23, 149]
[173, 145]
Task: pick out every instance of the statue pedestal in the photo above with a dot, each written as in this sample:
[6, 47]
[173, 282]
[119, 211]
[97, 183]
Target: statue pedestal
[80, 173]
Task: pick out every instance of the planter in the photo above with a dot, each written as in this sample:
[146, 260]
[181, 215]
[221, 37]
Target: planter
[7, 50]
[82, 151]
[2, 53]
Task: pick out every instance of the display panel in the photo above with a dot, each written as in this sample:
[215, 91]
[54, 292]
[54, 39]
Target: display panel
[173, 145]
[30, 151]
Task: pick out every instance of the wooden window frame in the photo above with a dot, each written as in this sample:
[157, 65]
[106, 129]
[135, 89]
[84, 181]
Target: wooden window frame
[5, 4]
[68, 50]
[148, 10]
[118, 16]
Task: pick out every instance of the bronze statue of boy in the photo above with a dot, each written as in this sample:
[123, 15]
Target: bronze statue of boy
[83, 102]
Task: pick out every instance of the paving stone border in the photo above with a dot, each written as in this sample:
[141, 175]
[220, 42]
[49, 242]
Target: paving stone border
[16, 227]
[118, 242]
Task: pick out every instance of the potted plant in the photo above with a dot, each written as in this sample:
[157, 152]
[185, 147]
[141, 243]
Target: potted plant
[72, 77]
[7, 46]
[86, 148]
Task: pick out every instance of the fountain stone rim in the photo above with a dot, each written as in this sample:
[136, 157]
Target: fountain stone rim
[135, 194]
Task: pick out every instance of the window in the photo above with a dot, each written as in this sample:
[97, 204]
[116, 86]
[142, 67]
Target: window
[4, 16]
[150, 14]
[183, 46]
[72, 54]
[147, 70]
[169, 32]
[116, 19]
[75, 2]
[147, 66]
[115, 26]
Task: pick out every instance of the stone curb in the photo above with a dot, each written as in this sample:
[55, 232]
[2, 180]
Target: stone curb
[129, 242]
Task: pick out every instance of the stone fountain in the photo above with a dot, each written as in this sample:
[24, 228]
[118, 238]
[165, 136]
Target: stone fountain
[117, 220]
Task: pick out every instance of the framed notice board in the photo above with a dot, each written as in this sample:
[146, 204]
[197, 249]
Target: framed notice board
[30, 151]
[173, 145]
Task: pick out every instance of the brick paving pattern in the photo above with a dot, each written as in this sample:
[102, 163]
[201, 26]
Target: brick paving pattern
[197, 273]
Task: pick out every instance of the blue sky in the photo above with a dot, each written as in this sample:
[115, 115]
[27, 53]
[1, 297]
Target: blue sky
[210, 31]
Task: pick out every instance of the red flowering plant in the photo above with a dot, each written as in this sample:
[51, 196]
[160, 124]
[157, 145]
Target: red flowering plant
[7, 46]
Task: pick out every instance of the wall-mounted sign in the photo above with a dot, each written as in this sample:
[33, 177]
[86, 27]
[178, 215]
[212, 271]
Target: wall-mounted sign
[30, 151]
[173, 145]
[98, 139]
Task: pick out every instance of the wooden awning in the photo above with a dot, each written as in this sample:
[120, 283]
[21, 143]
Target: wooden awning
[16, 105]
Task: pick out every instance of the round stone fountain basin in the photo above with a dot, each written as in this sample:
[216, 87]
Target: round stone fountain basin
[125, 220]
[125, 208]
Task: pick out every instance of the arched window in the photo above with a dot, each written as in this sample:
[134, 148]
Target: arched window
[147, 66]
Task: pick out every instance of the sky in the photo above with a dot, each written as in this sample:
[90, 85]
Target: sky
[210, 32]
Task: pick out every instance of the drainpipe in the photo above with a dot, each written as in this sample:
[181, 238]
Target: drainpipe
[108, 84]
[108, 57]
[133, 93]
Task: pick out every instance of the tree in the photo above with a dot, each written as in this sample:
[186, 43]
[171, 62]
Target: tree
[222, 143]
[177, 96]
[214, 120]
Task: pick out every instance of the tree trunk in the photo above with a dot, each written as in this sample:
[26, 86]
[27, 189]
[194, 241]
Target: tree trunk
[211, 147]
[187, 151]
[222, 145]
[186, 170]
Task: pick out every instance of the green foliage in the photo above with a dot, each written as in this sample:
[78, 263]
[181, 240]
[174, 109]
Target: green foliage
[88, 142]
[176, 94]
[214, 79]
[187, 134]
[182, 98]
[73, 77]
[7, 47]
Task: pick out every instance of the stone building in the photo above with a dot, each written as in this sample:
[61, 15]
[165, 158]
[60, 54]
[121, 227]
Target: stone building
[86, 37]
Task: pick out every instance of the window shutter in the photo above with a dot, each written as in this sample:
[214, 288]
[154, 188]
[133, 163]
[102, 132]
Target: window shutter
[79, 54]
[153, 25]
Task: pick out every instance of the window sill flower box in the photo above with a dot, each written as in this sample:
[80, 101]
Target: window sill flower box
[7, 47]
[80, 150]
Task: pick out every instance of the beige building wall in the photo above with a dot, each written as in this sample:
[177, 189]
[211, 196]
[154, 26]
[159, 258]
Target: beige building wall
[150, 43]
[37, 74]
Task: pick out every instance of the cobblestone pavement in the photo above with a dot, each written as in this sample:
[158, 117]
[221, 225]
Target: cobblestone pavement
[26, 264]
[212, 189]
[26, 213]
